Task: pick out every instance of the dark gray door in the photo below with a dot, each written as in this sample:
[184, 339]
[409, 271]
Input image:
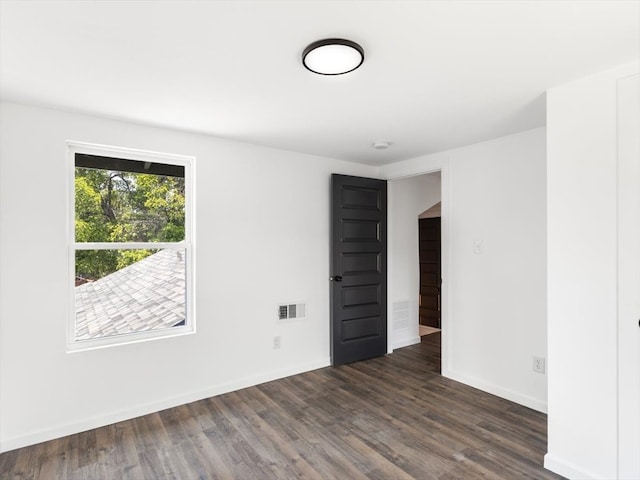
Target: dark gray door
[429, 254]
[358, 268]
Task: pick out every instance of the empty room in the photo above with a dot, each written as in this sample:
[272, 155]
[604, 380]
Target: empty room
[320, 239]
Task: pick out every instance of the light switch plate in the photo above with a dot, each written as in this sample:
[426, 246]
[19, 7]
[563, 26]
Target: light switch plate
[477, 246]
[539, 364]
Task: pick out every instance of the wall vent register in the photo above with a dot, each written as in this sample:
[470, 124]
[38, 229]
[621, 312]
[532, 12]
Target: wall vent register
[291, 310]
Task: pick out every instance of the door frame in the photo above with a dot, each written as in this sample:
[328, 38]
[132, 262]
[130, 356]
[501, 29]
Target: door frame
[437, 163]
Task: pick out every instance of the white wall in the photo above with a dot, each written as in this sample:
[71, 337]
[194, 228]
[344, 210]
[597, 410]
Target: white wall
[582, 276]
[494, 303]
[409, 197]
[262, 237]
[628, 152]
[433, 212]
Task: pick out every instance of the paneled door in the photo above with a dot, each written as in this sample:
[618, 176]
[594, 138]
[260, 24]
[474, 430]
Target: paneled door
[358, 268]
[429, 256]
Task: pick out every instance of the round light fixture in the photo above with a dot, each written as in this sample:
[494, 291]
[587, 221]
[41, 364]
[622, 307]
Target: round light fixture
[333, 56]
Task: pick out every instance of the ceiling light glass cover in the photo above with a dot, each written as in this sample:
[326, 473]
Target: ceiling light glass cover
[333, 56]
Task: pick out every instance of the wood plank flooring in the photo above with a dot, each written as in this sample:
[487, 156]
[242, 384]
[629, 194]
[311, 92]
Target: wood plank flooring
[392, 417]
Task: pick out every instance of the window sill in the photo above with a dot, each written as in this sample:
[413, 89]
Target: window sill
[77, 346]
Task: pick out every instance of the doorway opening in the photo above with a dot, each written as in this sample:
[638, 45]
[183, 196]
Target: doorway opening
[430, 267]
[412, 197]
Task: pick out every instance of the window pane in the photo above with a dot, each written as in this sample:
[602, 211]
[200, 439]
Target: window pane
[126, 206]
[130, 291]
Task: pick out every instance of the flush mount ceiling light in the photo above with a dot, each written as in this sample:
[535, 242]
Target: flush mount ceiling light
[333, 56]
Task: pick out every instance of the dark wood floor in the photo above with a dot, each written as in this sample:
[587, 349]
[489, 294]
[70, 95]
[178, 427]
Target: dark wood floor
[393, 417]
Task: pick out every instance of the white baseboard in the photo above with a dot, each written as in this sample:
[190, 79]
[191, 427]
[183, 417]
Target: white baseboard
[405, 342]
[147, 408]
[522, 399]
[567, 469]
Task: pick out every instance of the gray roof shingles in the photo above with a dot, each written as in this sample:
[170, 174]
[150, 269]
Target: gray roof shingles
[148, 295]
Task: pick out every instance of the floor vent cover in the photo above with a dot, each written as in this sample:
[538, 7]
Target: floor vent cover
[400, 315]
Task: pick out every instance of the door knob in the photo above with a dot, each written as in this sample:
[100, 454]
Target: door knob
[337, 278]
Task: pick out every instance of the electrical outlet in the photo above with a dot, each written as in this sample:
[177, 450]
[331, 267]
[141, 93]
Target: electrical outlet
[538, 364]
[276, 342]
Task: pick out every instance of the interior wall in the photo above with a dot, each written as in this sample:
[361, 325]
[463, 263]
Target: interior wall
[583, 277]
[433, 212]
[494, 302]
[262, 237]
[628, 153]
[411, 197]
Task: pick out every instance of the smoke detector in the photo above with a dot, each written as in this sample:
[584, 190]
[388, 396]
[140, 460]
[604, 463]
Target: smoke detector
[381, 145]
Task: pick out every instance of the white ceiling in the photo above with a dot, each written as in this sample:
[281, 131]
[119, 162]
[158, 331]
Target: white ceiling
[437, 74]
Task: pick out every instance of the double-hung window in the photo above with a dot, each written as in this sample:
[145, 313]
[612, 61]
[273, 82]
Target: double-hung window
[131, 245]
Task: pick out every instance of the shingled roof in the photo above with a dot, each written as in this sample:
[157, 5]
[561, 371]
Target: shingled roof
[147, 295]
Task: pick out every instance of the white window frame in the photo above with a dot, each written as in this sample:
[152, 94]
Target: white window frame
[188, 245]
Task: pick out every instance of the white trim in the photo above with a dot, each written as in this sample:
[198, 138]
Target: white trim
[156, 406]
[129, 338]
[567, 469]
[127, 153]
[619, 453]
[445, 267]
[415, 166]
[531, 402]
[129, 245]
[390, 329]
[440, 163]
[188, 244]
[406, 342]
